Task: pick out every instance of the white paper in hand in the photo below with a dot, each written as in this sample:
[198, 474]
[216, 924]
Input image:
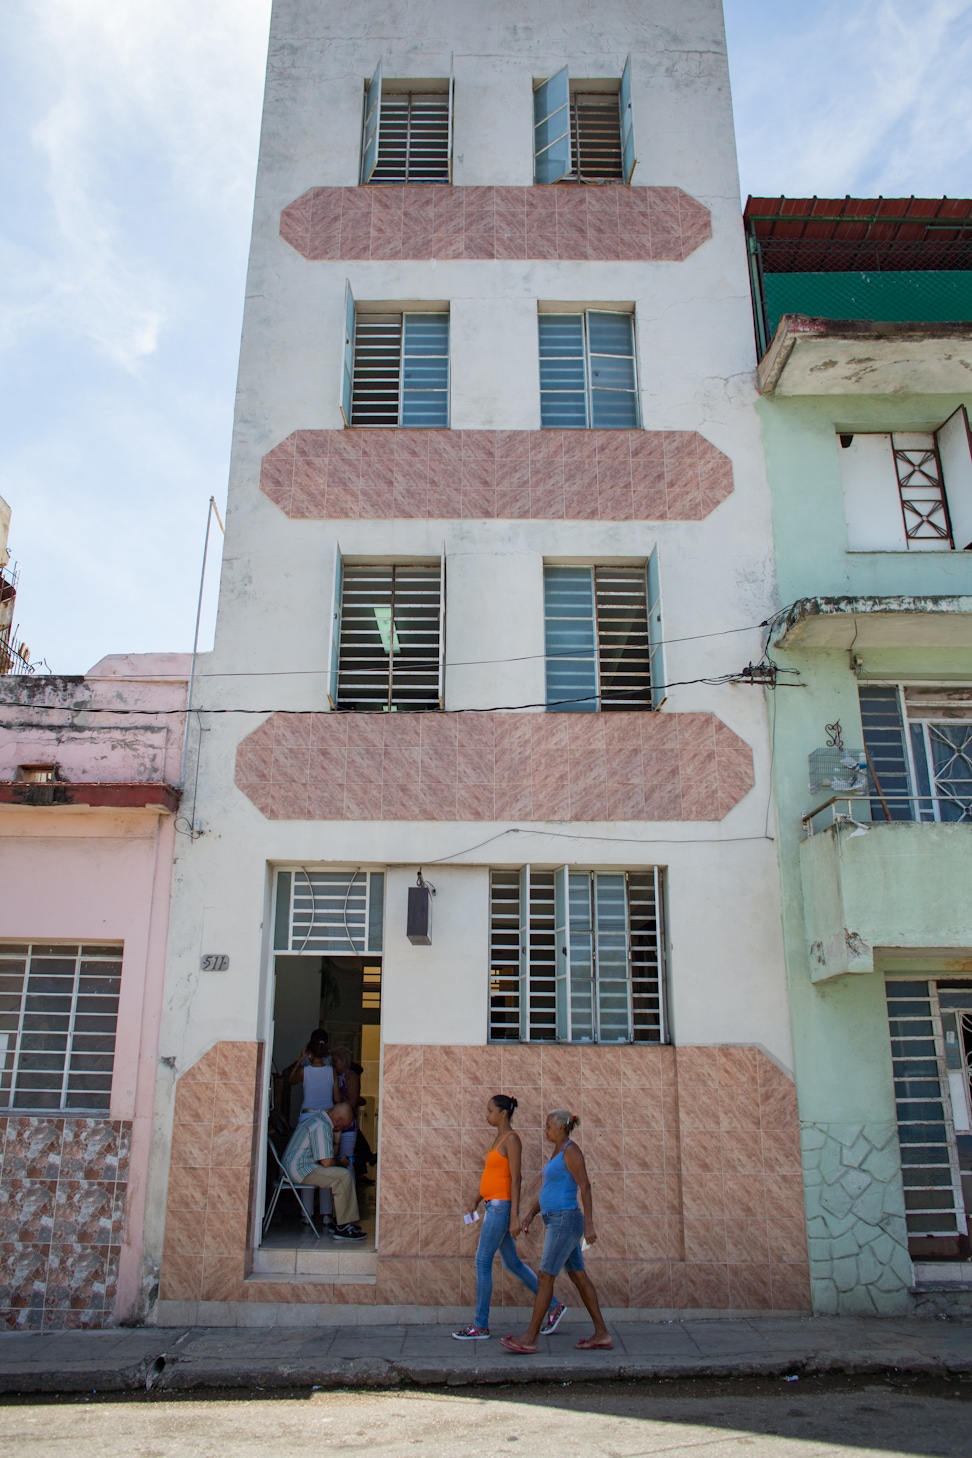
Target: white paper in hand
[471, 1219]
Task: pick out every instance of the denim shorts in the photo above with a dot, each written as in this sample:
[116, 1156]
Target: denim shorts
[561, 1244]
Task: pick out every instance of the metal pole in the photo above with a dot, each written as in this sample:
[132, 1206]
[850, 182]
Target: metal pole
[195, 640]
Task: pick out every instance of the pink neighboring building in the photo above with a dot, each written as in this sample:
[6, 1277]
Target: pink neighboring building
[89, 775]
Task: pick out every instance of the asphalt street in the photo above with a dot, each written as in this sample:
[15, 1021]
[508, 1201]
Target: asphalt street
[765, 1419]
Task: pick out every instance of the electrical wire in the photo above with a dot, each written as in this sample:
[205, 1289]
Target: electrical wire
[603, 839]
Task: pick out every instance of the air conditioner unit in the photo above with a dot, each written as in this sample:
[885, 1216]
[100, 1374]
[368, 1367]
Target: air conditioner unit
[841, 771]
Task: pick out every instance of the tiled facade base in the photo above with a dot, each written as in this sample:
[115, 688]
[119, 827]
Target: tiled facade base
[519, 475]
[567, 222]
[859, 1261]
[219, 1111]
[483, 767]
[693, 1154]
[63, 1184]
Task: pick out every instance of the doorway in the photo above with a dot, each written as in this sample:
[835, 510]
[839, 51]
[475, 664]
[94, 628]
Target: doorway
[342, 995]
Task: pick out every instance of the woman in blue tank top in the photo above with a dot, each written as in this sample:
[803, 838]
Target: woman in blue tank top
[564, 1177]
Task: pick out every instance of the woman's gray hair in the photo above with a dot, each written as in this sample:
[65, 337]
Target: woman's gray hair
[565, 1119]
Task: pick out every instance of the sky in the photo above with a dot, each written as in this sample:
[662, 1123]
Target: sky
[130, 136]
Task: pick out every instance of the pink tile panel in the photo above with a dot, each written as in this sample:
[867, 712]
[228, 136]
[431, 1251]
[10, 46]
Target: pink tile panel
[456, 767]
[567, 222]
[690, 1214]
[217, 1126]
[538, 475]
[63, 1187]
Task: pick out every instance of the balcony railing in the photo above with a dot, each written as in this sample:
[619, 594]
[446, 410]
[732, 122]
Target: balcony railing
[863, 811]
[14, 656]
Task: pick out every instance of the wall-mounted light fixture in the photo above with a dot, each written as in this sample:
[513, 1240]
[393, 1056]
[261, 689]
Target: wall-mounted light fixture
[418, 927]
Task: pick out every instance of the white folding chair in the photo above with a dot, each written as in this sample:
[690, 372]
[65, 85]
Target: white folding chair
[281, 1182]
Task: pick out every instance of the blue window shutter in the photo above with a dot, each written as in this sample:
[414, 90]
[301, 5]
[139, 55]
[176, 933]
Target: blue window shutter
[551, 129]
[887, 753]
[563, 372]
[570, 639]
[425, 371]
[628, 159]
[335, 653]
[613, 378]
[656, 656]
[347, 372]
[372, 126]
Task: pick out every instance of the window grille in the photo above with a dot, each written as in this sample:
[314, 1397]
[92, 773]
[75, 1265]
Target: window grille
[597, 638]
[413, 138]
[582, 136]
[595, 134]
[587, 371]
[922, 490]
[918, 743]
[389, 655]
[401, 370]
[576, 956]
[932, 1154]
[327, 911]
[58, 1015]
[407, 135]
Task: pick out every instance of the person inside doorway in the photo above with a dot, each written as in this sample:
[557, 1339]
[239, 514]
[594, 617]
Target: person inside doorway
[309, 1160]
[314, 1070]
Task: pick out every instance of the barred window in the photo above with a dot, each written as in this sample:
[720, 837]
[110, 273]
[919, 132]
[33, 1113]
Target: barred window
[319, 910]
[576, 956]
[598, 653]
[58, 1015]
[400, 371]
[407, 134]
[389, 635]
[583, 132]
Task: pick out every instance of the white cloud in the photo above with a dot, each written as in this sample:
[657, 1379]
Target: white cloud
[863, 99]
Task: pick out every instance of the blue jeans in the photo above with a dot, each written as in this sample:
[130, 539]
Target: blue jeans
[495, 1236]
[561, 1244]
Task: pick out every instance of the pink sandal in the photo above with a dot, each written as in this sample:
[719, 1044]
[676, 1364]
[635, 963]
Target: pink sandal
[512, 1345]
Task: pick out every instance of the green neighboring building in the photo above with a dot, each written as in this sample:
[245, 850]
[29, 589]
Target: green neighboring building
[863, 313]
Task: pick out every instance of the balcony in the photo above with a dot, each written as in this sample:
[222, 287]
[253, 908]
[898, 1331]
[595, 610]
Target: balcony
[809, 355]
[924, 620]
[876, 891]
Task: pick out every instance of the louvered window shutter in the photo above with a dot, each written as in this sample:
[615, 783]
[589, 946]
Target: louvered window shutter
[656, 654]
[452, 114]
[347, 370]
[551, 129]
[571, 642]
[562, 953]
[624, 675]
[563, 372]
[442, 626]
[628, 159]
[425, 370]
[372, 126]
[955, 454]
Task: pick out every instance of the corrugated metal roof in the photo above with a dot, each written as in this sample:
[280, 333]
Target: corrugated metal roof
[852, 234]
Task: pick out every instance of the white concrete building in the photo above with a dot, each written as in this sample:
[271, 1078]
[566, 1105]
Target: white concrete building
[497, 516]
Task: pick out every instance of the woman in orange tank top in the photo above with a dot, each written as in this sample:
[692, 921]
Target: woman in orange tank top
[499, 1189]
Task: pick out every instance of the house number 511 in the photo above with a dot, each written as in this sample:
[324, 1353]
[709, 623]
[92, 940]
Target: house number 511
[214, 962]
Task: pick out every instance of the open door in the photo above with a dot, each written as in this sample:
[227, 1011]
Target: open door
[955, 454]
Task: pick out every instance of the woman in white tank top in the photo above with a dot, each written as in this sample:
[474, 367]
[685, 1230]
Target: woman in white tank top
[313, 1069]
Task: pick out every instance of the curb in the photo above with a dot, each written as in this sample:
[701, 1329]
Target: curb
[182, 1374]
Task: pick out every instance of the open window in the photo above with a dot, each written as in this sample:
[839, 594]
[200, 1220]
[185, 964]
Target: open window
[583, 131]
[396, 368]
[407, 133]
[918, 743]
[598, 644]
[576, 956]
[388, 637]
[588, 377]
[909, 490]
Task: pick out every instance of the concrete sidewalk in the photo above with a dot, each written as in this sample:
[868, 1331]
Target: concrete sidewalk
[177, 1358]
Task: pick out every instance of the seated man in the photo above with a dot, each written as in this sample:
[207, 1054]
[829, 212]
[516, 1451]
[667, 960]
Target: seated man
[309, 1160]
